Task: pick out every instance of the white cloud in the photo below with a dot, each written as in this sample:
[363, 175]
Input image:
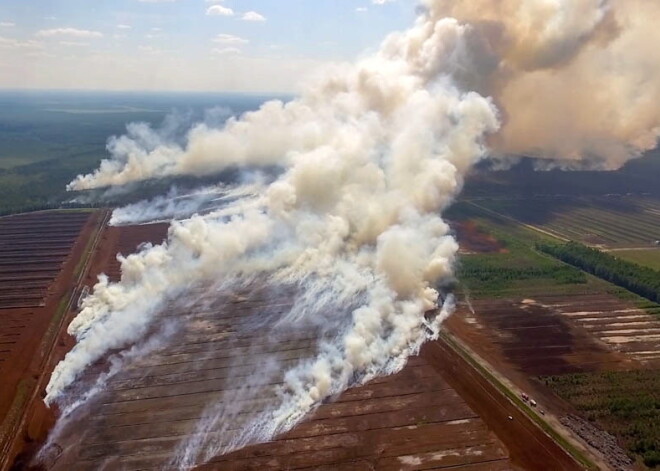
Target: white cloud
[226, 51]
[73, 43]
[7, 24]
[253, 16]
[229, 39]
[156, 1]
[124, 26]
[149, 49]
[361, 9]
[381, 2]
[219, 10]
[10, 43]
[69, 32]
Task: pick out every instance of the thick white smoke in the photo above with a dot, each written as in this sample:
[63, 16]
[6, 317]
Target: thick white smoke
[576, 80]
[178, 204]
[371, 154]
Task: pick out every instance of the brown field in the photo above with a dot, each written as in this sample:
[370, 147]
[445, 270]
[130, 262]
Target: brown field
[39, 257]
[618, 324]
[523, 339]
[437, 413]
[534, 338]
[413, 420]
[473, 239]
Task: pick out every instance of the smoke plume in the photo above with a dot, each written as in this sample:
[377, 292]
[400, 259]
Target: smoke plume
[371, 153]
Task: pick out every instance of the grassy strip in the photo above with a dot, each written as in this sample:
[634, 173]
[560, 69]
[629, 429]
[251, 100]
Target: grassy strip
[88, 248]
[54, 325]
[559, 439]
[14, 414]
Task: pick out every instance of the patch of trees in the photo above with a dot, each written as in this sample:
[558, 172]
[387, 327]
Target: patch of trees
[640, 280]
[625, 403]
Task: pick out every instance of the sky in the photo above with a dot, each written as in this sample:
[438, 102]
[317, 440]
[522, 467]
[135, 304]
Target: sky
[186, 45]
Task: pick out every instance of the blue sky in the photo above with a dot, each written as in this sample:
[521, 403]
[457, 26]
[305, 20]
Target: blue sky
[228, 45]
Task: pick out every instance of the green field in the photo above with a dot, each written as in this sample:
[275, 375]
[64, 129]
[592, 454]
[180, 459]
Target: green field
[626, 404]
[607, 222]
[520, 270]
[648, 258]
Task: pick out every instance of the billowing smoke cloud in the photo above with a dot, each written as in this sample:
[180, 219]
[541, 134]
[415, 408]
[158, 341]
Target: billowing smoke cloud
[576, 80]
[371, 154]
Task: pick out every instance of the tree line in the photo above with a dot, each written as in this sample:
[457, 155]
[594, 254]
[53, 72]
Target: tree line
[640, 280]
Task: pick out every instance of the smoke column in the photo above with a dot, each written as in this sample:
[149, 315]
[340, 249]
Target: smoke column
[371, 153]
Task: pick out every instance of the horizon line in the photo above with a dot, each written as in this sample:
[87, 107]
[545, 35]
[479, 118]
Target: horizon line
[145, 91]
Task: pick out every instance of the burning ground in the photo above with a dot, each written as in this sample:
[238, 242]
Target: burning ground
[349, 228]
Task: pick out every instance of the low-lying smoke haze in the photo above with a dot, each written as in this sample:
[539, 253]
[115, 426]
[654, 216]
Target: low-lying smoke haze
[371, 154]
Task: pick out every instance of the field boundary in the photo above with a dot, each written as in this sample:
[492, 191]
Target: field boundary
[518, 222]
[47, 346]
[477, 363]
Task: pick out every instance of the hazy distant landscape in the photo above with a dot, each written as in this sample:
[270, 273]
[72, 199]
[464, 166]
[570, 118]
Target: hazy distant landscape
[47, 138]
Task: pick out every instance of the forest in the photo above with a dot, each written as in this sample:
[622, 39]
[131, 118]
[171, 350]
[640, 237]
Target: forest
[640, 280]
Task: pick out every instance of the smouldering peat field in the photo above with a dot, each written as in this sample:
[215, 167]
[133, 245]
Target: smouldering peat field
[412, 420]
[416, 419]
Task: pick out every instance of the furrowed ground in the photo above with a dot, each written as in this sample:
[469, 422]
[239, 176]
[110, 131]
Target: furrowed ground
[546, 325]
[611, 222]
[42, 258]
[437, 413]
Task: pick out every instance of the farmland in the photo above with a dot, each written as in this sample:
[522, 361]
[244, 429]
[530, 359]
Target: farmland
[434, 414]
[516, 268]
[529, 318]
[648, 258]
[40, 255]
[635, 278]
[605, 222]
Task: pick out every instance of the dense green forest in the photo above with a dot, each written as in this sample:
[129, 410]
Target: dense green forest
[640, 280]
